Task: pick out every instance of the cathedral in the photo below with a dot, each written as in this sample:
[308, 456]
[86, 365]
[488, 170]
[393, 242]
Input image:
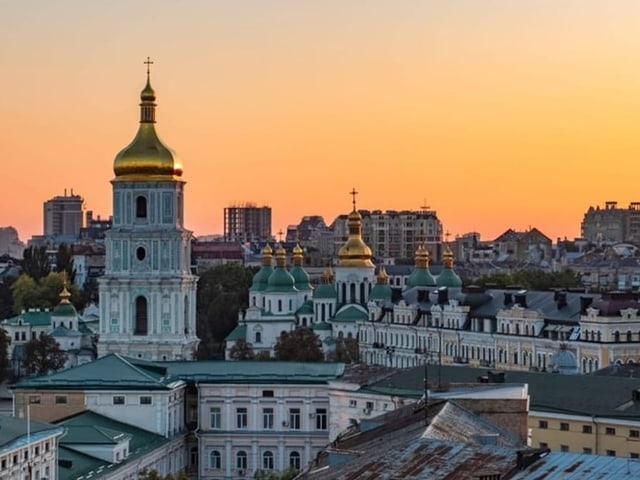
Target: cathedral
[282, 299]
[148, 293]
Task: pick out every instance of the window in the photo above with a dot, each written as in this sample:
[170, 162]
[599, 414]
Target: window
[321, 418]
[34, 399]
[267, 460]
[564, 448]
[267, 418]
[611, 453]
[543, 424]
[241, 418]
[215, 418]
[294, 460]
[544, 445]
[118, 400]
[587, 429]
[610, 431]
[587, 450]
[141, 316]
[353, 404]
[564, 426]
[141, 253]
[267, 393]
[634, 455]
[241, 460]
[141, 207]
[145, 400]
[634, 433]
[369, 406]
[294, 418]
[215, 460]
[61, 399]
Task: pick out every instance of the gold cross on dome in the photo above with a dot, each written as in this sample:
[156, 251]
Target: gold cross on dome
[148, 62]
[353, 193]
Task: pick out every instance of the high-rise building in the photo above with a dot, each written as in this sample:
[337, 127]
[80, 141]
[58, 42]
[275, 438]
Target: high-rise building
[612, 224]
[247, 223]
[64, 215]
[148, 293]
[396, 234]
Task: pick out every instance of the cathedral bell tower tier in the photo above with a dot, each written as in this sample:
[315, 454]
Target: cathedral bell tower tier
[148, 293]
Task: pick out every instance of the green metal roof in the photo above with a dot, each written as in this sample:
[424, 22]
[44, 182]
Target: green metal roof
[247, 371]
[380, 292]
[325, 290]
[35, 319]
[448, 278]
[320, 326]
[13, 431]
[305, 308]
[91, 434]
[238, 333]
[141, 442]
[421, 277]
[260, 278]
[64, 310]
[110, 371]
[280, 281]
[350, 314]
[301, 278]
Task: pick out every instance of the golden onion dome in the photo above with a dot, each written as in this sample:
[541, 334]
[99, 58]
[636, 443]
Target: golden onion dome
[447, 258]
[297, 255]
[146, 157]
[281, 256]
[355, 253]
[382, 277]
[267, 253]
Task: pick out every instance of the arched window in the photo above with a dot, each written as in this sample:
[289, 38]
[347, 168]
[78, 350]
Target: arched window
[294, 460]
[629, 336]
[258, 337]
[616, 336]
[141, 207]
[241, 460]
[141, 316]
[267, 460]
[352, 293]
[215, 459]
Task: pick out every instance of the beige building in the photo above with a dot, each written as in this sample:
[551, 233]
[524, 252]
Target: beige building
[395, 234]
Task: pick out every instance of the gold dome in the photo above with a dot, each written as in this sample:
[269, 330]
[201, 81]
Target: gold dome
[382, 277]
[422, 257]
[266, 255]
[297, 255]
[146, 157]
[447, 258]
[355, 253]
[281, 256]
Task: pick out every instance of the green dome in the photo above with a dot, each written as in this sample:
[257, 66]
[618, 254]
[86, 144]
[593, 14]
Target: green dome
[380, 292]
[325, 290]
[421, 277]
[448, 278]
[301, 278]
[261, 278]
[64, 310]
[280, 281]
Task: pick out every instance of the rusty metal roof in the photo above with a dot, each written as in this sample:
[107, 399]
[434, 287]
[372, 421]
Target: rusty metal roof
[578, 466]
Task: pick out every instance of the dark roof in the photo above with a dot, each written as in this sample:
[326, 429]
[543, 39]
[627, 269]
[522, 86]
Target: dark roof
[603, 396]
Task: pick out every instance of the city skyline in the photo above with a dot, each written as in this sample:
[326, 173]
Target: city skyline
[496, 115]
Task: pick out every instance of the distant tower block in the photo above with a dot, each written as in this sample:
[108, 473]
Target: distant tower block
[247, 223]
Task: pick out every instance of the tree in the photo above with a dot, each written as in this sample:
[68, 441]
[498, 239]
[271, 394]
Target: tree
[347, 350]
[223, 291]
[301, 345]
[42, 355]
[35, 262]
[64, 262]
[242, 350]
[154, 475]
[45, 293]
[288, 474]
[5, 363]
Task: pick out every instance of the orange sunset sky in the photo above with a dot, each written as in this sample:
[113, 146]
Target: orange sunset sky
[497, 114]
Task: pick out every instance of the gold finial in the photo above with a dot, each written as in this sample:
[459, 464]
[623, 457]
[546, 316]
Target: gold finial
[383, 277]
[266, 255]
[148, 62]
[353, 193]
[281, 256]
[297, 255]
[65, 295]
[447, 258]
